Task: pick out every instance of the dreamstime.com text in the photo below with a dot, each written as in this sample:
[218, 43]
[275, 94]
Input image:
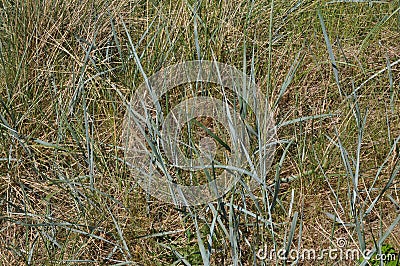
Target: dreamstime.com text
[311, 254]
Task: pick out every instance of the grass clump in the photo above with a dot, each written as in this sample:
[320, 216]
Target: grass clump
[328, 69]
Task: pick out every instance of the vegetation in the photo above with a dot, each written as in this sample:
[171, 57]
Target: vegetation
[385, 256]
[330, 72]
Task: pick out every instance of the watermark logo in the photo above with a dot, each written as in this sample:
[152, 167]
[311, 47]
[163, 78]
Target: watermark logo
[151, 132]
[337, 253]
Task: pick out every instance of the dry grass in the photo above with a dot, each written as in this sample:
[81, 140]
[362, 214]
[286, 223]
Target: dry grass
[66, 195]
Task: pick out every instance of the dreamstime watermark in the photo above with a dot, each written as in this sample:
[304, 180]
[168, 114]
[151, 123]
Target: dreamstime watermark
[151, 133]
[338, 253]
